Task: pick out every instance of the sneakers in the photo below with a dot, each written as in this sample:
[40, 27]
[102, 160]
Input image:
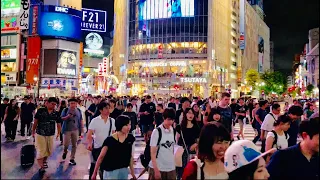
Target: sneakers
[64, 156]
[72, 162]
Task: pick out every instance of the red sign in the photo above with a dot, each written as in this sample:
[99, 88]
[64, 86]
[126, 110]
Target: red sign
[35, 20]
[33, 59]
[105, 63]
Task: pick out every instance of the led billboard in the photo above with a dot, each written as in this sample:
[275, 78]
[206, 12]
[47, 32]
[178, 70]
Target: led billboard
[10, 7]
[159, 9]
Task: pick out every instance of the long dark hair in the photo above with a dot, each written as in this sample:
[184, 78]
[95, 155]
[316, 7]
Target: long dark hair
[11, 107]
[246, 172]
[210, 134]
[184, 121]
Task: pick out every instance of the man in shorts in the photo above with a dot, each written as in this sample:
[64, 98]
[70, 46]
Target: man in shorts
[43, 130]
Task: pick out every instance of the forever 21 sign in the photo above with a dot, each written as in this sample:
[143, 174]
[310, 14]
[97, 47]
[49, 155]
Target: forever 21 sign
[94, 20]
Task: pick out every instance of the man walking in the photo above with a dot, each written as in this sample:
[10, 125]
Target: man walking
[44, 125]
[72, 124]
[26, 116]
[162, 164]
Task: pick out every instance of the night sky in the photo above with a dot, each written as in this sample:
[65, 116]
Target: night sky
[290, 22]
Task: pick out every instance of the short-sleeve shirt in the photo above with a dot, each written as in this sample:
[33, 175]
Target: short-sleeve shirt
[241, 109]
[268, 122]
[165, 160]
[147, 119]
[282, 141]
[26, 111]
[47, 122]
[119, 154]
[261, 113]
[101, 130]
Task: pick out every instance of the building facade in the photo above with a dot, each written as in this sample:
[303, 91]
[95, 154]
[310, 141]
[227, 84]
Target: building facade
[181, 48]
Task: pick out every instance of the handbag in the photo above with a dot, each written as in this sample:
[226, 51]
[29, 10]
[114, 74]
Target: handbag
[178, 152]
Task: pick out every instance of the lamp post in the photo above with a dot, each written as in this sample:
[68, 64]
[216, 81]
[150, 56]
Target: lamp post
[35, 79]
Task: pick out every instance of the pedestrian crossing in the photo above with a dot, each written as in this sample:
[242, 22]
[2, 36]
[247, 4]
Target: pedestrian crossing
[249, 134]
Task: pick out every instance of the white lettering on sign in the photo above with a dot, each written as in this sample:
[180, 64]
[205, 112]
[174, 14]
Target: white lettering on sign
[165, 64]
[62, 9]
[64, 71]
[193, 80]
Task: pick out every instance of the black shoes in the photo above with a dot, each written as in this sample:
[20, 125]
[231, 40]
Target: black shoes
[72, 162]
[64, 156]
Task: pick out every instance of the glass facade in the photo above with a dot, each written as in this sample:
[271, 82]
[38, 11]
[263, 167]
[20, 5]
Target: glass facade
[166, 28]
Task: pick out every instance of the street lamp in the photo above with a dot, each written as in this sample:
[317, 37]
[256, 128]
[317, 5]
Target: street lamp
[35, 79]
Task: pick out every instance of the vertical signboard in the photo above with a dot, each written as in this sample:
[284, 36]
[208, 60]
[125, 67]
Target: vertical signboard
[242, 24]
[33, 59]
[105, 65]
[24, 14]
[33, 20]
[261, 54]
[100, 69]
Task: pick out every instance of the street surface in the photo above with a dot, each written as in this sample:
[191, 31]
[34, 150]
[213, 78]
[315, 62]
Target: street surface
[10, 160]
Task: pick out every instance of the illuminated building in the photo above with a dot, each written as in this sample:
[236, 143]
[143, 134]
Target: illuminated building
[256, 52]
[10, 46]
[187, 47]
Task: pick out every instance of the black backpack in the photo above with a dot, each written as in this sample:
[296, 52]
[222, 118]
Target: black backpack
[276, 138]
[160, 136]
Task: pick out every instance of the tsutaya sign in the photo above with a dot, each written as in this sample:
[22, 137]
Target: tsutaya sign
[193, 80]
[165, 64]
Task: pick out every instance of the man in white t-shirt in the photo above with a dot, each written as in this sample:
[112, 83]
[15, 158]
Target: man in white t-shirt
[267, 124]
[99, 130]
[162, 164]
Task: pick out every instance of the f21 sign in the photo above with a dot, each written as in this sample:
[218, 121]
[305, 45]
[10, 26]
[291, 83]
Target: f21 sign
[94, 20]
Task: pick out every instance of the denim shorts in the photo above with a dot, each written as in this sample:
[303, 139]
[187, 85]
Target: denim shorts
[116, 174]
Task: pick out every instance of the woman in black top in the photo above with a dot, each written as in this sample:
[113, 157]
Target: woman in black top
[197, 115]
[187, 136]
[116, 153]
[114, 111]
[11, 117]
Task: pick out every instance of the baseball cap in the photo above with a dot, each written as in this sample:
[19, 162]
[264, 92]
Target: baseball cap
[241, 153]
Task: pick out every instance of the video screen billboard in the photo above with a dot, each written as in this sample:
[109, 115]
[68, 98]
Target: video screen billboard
[159, 9]
[261, 54]
[60, 25]
[67, 63]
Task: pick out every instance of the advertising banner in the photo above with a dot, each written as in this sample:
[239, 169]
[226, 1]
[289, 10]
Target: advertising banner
[60, 25]
[58, 82]
[9, 24]
[158, 9]
[33, 19]
[261, 54]
[67, 63]
[242, 24]
[33, 58]
[10, 7]
[94, 20]
[24, 14]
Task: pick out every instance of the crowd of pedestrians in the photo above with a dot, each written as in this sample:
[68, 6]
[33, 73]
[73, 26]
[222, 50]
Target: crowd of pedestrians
[186, 138]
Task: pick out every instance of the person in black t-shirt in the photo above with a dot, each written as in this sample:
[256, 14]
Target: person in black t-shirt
[26, 115]
[4, 106]
[116, 154]
[146, 114]
[187, 134]
[114, 111]
[240, 112]
[233, 106]
[158, 115]
[132, 115]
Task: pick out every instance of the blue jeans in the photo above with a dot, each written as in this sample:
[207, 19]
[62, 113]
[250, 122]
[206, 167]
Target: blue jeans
[258, 128]
[116, 174]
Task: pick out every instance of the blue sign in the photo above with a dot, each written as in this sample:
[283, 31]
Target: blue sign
[61, 9]
[60, 25]
[94, 20]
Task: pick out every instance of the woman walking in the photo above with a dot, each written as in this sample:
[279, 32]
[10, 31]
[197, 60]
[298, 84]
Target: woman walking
[11, 117]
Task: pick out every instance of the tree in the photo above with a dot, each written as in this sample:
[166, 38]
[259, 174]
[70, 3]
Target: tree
[252, 77]
[273, 82]
[310, 88]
